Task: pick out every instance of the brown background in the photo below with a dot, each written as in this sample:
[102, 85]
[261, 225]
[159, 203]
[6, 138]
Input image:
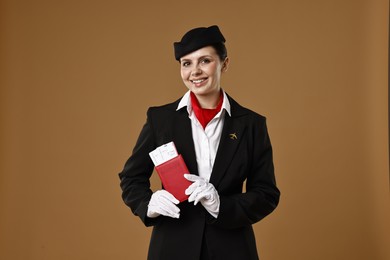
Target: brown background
[77, 78]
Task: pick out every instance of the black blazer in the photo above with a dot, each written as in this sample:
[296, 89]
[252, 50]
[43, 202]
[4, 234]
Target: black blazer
[244, 160]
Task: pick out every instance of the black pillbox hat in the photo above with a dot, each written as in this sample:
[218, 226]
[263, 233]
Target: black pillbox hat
[197, 38]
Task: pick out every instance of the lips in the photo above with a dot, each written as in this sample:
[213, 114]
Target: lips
[198, 81]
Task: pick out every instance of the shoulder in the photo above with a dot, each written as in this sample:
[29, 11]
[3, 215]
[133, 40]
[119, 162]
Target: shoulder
[163, 109]
[255, 123]
[239, 111]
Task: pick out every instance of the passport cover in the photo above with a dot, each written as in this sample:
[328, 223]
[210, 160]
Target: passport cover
[171, 174]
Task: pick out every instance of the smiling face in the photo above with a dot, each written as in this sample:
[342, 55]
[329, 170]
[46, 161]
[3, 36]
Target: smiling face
[201, 73]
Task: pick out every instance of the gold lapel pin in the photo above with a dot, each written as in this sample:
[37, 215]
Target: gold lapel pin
[233, 136]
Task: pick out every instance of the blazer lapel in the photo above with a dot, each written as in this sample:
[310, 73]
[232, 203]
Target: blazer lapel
[232, 134]
[231, 137]
[182, 137]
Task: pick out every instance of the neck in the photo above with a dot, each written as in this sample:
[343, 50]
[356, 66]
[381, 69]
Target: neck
[209, 101]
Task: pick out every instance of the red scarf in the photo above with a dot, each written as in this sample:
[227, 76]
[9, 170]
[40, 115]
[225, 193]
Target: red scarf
[205, 115]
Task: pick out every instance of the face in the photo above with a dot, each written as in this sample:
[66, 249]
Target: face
[201, 72]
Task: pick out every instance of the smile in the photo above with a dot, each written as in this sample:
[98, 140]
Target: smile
[198, 81]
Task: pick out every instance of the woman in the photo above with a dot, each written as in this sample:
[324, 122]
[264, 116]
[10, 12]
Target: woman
[223, 145]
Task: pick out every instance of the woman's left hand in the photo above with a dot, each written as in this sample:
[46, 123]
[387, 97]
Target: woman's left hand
[204, 192]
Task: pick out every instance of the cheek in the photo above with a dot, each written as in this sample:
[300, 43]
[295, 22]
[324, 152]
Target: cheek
[215, 74]
[213, 70]
[183, 74]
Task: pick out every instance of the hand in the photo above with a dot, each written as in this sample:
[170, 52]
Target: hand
[204, 192]
[163, 203]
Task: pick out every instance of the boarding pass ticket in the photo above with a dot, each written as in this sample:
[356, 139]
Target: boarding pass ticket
[163, 153]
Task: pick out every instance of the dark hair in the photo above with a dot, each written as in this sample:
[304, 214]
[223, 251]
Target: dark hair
[221, 50]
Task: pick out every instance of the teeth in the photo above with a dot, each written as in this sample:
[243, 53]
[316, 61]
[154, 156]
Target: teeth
[198, 81]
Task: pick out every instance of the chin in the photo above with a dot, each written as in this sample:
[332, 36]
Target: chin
[199, 92]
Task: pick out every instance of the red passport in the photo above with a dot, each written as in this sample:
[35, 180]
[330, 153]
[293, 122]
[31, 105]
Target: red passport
[172, 177]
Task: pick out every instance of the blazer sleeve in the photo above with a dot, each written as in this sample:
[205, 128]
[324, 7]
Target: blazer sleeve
[134, 179]
[262, 195]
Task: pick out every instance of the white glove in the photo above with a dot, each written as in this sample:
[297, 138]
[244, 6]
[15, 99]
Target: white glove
[163, 203]
[204, 192]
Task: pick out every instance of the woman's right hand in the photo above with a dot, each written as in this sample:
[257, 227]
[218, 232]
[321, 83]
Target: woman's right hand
[163, 203]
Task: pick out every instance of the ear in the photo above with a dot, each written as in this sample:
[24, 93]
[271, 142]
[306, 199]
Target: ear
[225, 64]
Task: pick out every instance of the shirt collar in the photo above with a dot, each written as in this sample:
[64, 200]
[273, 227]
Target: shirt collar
[186, 102]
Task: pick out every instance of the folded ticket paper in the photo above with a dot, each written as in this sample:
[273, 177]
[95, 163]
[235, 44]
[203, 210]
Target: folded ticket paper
[171, 168]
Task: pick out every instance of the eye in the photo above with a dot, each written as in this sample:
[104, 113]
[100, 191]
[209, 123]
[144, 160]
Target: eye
[185, 64]
[205, 61]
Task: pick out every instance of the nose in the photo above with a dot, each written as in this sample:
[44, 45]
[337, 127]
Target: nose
[196, 71]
